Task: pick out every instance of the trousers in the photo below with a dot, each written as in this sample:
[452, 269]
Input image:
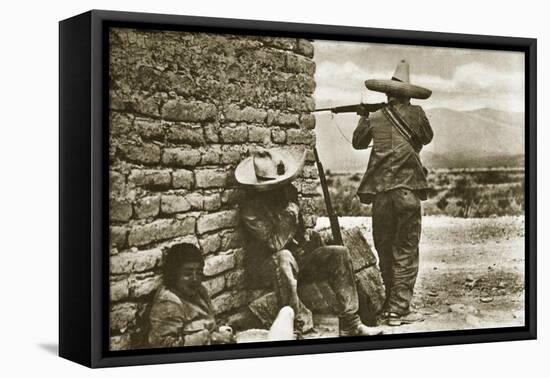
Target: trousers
[396, 228]
[330, 263]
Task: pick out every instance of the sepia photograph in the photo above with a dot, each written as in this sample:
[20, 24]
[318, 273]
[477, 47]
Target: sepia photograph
[267, 189]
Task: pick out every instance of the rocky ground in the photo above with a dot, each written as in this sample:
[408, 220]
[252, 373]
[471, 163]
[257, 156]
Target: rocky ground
[471, 274]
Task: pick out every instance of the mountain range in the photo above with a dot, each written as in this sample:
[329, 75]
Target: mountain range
[462, 139]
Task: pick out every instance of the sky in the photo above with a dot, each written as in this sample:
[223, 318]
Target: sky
[461, 79]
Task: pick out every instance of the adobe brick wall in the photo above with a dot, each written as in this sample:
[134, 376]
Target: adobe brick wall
[185, 108]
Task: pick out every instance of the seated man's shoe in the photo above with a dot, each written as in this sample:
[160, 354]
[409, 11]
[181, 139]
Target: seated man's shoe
[397, 320]
[360, 330]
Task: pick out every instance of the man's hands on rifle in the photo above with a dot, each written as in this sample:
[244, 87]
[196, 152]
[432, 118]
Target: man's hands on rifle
[362, 111]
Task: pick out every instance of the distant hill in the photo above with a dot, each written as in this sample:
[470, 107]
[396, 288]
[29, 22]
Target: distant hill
[462, 139]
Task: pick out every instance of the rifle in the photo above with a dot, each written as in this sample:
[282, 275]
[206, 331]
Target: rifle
[333, 218]
[358, 108]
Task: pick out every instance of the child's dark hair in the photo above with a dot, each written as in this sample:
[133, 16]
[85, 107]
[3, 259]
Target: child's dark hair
[175, 257]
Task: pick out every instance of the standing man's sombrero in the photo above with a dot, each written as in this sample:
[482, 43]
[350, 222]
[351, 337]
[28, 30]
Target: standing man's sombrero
[399, 85]
[269, 169]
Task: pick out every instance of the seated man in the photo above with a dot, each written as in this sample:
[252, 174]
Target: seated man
[181, 313]
[280, 252]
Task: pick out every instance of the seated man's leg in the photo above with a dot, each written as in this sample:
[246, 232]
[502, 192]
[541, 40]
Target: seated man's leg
[333, 263]
[286, 288]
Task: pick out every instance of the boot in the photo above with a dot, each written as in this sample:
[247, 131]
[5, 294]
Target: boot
[360, 330]
[395, 319]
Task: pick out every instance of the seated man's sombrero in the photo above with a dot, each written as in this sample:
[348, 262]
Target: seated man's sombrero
[399, 85]
[269, 169]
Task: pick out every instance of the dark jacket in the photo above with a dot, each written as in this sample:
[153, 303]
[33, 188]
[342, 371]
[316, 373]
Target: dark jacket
[393, 163]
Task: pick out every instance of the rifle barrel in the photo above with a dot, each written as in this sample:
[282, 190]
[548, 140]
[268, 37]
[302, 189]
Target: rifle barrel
[353, 108]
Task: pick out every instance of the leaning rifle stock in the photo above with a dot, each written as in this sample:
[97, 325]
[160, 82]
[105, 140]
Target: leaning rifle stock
[333, 218]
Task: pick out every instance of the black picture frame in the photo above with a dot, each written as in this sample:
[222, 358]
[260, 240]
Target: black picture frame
[83, 201]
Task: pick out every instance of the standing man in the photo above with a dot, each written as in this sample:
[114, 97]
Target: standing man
[395, 183]
[280, 253]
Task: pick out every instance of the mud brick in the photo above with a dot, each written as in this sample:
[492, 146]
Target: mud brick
[307, 121]
[215, 285]
[160, 229]
[211, 133]
[299, 64]
[149, 128]
[231, 196]
[299, 136]
[212, 202]
[194, 111]
[147, 207]
[308, 205]
[132, 262]
[239, 254]
[144, 104]
[216, 221]
[301, 83]
[120, 210]
[182, 178]
[280, 43]
[196, 200]
[258, 134]
[309, 187]
[310, 171]
[309, 220]
[141, 286]
[238, 134]
[305, 47]
[211, 156]
[310, 156]
[122, 316]
[231, 155]
[118, 289]
[117, 236]
[150, 178]
[120, 124]
[185, 134]
[181, 157]
[299, 103]
[210, 178]
[171, 204]
[249, 114]
[210, 243]
[231, 239]
[120, 342]
[278, 136]
[219, 263]
[117, 183]
[287, 119]
[146, 153]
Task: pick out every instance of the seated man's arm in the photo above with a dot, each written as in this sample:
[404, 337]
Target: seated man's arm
[362, 136]
[275, 233]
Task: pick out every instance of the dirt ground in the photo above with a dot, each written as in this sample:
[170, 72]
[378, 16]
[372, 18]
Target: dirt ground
[471, 274]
